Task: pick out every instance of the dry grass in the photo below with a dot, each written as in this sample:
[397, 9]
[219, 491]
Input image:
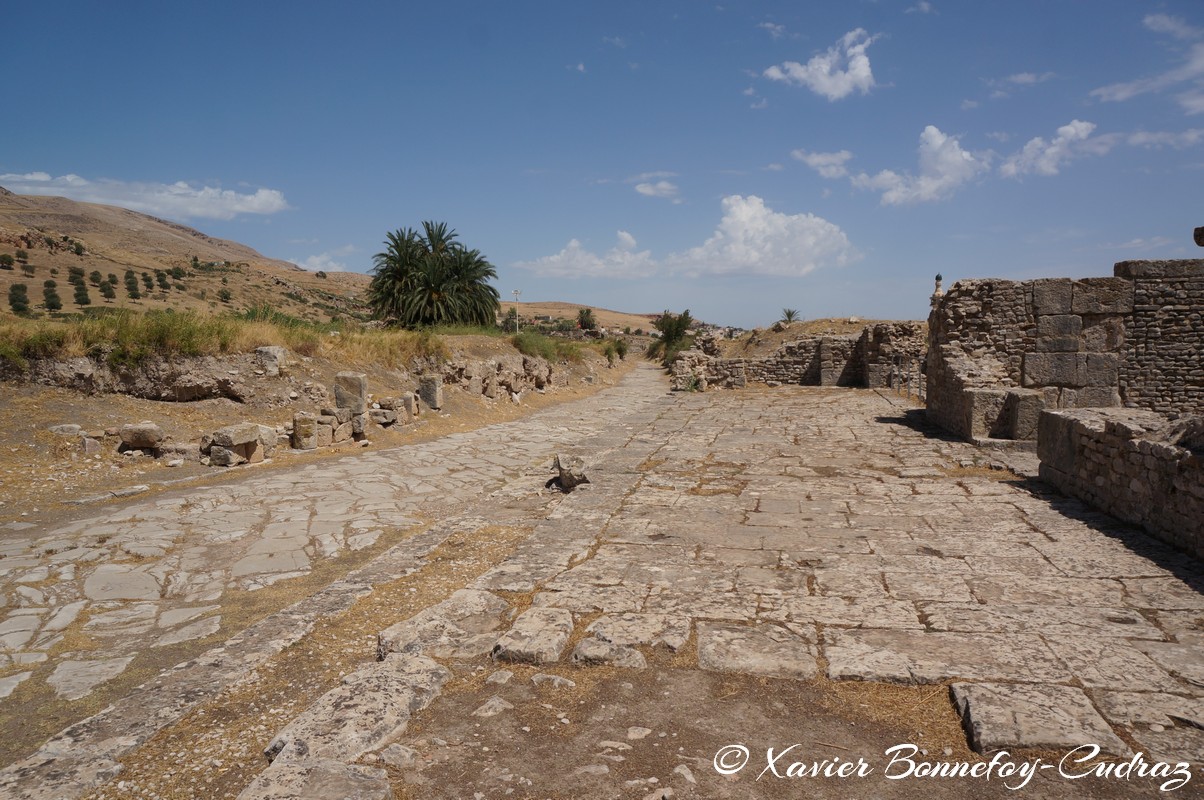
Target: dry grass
[129, 337]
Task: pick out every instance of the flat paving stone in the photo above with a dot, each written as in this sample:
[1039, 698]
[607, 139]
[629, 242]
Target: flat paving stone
[538, 636]
[931, 657]
[120, 582]
[1003, 716]
[72, 680]
[766, 650]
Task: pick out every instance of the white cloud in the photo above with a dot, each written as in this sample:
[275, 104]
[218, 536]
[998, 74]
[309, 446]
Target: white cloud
[999, 136]
[775, 167]
[1073, 140]
[1140, 244]
[1192, 102]
[1190, 72]
[969, 104]
[178, 200]
[1028, 78]
[838, 72]
[922, 7]
[1175, 26]
[754, 239]
[751, 239]
[1187, 138]
[759, 104]
[659, 189]
[615, 41]
[943, 167]
[775, 31]
[574, 261]
[330, 261]
[651, 176]
[829, 165]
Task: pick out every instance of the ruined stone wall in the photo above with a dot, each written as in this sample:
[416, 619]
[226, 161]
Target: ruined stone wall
[998, 349]
[1163, 367]
[1132, 464]
[861, 360]
[886, 346]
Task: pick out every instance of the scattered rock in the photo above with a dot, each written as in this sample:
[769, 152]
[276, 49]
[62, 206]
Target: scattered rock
[570, 473]
[492, 707]
[556, 681]
[399, 756]
[141, 435]
[66, 430]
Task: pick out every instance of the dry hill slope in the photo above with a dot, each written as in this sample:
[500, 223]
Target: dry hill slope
[113, 240]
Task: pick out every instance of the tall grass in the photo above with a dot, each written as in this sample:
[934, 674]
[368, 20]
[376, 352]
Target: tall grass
[530, 343]
[128, 337]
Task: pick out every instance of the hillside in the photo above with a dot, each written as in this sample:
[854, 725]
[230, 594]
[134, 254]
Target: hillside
[58, 234]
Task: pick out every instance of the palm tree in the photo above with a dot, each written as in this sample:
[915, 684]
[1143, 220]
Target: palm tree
[789, 315]
[429, 278]
[585, 319]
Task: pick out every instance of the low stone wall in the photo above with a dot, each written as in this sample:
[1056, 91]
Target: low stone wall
[866, 359]
[1133, 464]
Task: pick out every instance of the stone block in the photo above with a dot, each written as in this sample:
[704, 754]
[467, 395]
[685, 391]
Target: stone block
[359, 426]
[341, 432]
[225, 456]
[409, 402]
[272, 359]
[1103, 334]
[1056, 441]
[980, 411]
[323, 436]
[1022, 411]
[1102, 369]
[1052, 296]
[1058, 333]
[351, 391]
[1051, 369]
[233, 435]
[1091, 397]
[1154, 270]
[430, 389]
[267, 440]
[1102, 296]
[329, 420]
[141, 435]
[304, 431]
[382, 416]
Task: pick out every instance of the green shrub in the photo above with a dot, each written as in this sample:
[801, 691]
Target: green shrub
[18, 298]
[530, 343]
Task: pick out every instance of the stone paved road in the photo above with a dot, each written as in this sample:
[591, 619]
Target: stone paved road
[794, 533]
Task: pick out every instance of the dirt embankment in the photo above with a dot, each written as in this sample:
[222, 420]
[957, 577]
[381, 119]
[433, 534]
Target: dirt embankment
[41, 472]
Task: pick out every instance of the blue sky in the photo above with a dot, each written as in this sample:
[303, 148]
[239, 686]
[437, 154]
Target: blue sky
[734, 159]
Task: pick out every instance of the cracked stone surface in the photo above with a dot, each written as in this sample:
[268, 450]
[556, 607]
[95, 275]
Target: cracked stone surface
[1002, 716]
[772, 534]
